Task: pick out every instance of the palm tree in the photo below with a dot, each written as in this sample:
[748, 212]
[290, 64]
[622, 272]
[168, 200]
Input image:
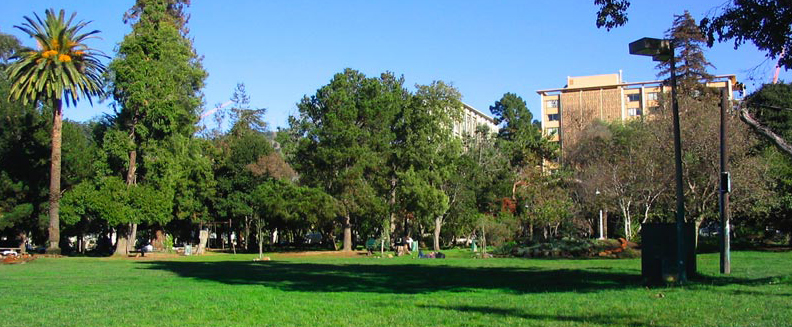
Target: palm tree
[62, 69]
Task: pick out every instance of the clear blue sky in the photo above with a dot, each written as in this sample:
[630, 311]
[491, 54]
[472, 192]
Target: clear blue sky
[283, 49]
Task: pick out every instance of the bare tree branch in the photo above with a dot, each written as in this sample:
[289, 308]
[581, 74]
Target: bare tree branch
[766, 132]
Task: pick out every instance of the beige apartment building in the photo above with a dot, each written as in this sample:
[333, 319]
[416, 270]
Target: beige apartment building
[567, 111]
[471, 119]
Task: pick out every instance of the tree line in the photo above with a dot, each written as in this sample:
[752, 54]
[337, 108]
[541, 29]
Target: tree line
[365, 157]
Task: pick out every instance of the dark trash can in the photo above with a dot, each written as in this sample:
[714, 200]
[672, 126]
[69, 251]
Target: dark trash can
[659, 252]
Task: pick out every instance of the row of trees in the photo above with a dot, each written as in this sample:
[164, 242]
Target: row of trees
[366, 157]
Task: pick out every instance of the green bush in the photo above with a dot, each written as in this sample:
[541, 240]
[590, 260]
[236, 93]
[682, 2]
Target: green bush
[167, 244]
[569, 248]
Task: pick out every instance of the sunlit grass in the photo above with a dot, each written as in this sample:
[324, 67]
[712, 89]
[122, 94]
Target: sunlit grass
[228, 290]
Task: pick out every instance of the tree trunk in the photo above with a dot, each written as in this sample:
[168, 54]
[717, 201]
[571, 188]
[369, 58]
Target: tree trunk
[697, 222]
[122, 232]
[438, 226]
[246, 236]
[530, 231]
[483, 241]
[55, 178]
[260, 239]
[203, 238]
[159, 239]
[393, 208]
[22, 242]
[132, 238]
[331, 237]
[81, 239]
[347, 233]
[230, 236]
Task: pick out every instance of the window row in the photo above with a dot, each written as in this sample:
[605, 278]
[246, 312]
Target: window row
[651, 96]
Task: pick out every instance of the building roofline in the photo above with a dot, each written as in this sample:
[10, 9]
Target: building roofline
[731, 77]
[479, 112]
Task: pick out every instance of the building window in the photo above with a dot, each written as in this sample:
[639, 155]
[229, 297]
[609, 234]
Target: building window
[552, 103]
[652, 96]
[552, 131]
[654, 109]
[632, 112]
[634, 97]
[553, 117]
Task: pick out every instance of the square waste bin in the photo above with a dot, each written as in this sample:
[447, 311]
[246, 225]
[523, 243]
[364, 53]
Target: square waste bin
[659, 252]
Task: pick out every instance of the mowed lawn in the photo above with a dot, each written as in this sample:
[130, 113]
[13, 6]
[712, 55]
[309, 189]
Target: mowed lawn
[228, 290]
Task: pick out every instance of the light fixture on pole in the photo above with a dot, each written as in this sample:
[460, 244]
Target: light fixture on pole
[663, 50]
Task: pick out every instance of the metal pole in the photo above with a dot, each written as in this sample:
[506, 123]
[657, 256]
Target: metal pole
[601, 236]
[680, 195]
[725, 256]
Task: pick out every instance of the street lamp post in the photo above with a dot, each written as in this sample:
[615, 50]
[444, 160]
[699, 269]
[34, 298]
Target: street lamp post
[663, 50]
[601, 228]
[725, 188]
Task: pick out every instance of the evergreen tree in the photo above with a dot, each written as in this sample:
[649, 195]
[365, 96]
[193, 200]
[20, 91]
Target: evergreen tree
[156, 81]
[346, 132]
[24, 149]
[521, 136]
[691, 65]
[428, 155]
[236, 156]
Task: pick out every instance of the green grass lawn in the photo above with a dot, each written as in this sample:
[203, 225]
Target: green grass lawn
[228, 290]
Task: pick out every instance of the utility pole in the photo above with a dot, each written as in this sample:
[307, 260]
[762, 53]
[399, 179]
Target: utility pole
[725, 188]
[680, 193]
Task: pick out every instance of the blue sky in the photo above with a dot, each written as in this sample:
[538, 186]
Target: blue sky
[284, 49]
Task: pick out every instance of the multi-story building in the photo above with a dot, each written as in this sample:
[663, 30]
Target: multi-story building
[471, 119]
[567, 111]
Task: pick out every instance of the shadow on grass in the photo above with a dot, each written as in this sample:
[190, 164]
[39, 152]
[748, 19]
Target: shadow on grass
[398, 279]
[714, 280]
[608, 319]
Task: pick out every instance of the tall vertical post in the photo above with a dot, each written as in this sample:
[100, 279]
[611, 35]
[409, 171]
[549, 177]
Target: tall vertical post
[725, 256]
[601, 228]
[680, 194]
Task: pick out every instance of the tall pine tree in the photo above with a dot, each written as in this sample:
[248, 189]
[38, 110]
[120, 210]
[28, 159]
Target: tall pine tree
[156, 81]
[691, 65]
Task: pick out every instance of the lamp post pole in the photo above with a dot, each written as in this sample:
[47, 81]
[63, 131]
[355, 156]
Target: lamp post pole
[680, 193]
[725, 255]
[663, 50]
[601, 228]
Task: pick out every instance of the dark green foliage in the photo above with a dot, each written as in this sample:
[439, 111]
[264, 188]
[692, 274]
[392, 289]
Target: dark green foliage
[156, 77]
[346, 135]
[156, 80]
[612, 13]
[691, 66]
[236, 156]
[766, 23]
[111, 200]
[571, 248]
[24, 148]
[284, 205]
[521, 136]
[9, 45]
[771, 105]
